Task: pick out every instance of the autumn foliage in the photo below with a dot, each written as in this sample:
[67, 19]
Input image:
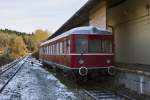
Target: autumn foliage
[18, 47]
[38, 37]
[15, 44]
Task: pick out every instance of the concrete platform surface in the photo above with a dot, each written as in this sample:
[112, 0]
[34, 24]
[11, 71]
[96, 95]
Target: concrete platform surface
[138, 68]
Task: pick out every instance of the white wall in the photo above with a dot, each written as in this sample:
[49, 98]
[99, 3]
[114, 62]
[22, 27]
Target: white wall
[132, 31]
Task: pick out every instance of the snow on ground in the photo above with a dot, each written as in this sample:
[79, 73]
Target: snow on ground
[35, 83]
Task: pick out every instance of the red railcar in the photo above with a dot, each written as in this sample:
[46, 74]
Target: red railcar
[81, 50]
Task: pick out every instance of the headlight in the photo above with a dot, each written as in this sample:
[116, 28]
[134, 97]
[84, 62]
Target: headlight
[81, 61]
[108, 61]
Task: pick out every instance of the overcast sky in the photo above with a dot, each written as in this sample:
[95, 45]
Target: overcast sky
[29, 15]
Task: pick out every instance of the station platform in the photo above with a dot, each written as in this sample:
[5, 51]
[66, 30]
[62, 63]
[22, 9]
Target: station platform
[135, 77]
[137, 68]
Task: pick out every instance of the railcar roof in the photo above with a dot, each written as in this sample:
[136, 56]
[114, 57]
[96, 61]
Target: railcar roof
[80, 30]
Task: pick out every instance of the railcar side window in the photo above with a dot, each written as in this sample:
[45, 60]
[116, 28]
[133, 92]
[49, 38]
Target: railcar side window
[57, 48]
[40, 50]
[52, 49]
[61, 48]
[48, 49]
[81, 45]
[93, 46]
[44, 50]
[108, 46]
[68, 46]
[100, 46]
[64, 47]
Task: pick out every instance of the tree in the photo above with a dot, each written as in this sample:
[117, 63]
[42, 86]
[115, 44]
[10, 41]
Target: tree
[5, 40]
[18, 47]
[38, 37]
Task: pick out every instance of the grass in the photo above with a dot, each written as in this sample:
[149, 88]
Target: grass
[5, 59]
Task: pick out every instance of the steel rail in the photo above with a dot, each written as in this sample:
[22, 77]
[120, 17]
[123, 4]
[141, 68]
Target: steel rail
[9, 67]
[107, 95]
[16, 71]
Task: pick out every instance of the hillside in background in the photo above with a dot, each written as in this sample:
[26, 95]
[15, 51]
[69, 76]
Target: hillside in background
[14, 44]
[13, 32]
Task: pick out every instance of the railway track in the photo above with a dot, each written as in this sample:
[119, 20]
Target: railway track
[9, 72]
[106, 95]
[8, 67]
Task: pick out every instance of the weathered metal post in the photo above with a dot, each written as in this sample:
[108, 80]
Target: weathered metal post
[141, 84]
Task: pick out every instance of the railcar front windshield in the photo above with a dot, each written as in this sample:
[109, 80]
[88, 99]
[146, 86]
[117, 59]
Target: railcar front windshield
[93, 46]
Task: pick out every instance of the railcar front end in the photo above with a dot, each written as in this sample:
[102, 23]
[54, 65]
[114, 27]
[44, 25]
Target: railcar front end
[92, 53]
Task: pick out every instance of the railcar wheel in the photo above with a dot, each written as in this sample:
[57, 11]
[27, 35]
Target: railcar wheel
[83, 71]
[111, 71]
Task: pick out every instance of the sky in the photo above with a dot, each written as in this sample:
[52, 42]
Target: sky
[29, 15]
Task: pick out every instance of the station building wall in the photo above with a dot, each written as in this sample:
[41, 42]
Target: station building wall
[97, 16]
[131, 24]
